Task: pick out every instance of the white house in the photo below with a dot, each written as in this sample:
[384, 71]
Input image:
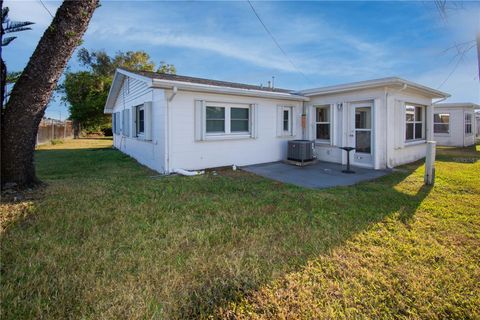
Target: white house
[454, 124]
[170, 122]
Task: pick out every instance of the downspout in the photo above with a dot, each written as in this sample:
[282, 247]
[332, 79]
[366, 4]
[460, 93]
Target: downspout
[168, 130]
[388, 118]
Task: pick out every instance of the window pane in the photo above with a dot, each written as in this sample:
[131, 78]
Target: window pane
[215, 126]
[239, 113]
[410, 113]
[215, 113]
[239, 125]
[440, 128]
[409, 131]
[418, 113]
[141, 121]
[418, 131]
[363, 141]
[362, 118]
[323, 131]
[468, 128]
[322, 115]
[285, 120]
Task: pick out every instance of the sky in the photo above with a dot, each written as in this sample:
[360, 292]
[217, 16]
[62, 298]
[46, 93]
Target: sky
[325, 43]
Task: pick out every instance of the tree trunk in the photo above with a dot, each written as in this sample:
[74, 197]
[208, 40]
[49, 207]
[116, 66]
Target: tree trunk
[31, 93]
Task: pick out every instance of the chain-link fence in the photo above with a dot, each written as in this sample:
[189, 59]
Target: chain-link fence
[51, 129]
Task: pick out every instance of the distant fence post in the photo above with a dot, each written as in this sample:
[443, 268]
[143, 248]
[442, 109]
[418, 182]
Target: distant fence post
[429, 177]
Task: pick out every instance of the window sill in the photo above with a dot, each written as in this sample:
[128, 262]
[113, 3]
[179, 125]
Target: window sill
[441, 134]
[415, 142]
[323, 143]
[228, 137]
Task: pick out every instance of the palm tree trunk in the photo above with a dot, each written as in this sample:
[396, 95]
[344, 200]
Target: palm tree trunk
[31, 93]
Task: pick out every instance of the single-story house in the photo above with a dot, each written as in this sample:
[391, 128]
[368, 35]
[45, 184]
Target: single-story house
[169, 122]
[454, 124]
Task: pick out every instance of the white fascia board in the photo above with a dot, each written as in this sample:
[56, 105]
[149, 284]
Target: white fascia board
[466, 105]
[196, 87]
[116, 86]
[369, 84]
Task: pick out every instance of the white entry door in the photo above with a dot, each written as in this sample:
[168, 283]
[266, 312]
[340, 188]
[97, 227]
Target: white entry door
[361, 134]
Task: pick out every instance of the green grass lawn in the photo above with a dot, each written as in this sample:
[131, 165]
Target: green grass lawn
[107, 238]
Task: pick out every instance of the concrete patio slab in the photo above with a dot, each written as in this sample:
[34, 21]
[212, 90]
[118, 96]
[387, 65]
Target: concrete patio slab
[316, 176]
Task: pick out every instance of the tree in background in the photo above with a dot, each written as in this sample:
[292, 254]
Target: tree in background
[33, 89]
[86, 92]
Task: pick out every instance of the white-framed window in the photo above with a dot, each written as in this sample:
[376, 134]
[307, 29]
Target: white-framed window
[140, 120]
[116, 122]
[468, 123]
[227, 119]
[441, 123]
[322, 124]
[414, 122]
[287, 121]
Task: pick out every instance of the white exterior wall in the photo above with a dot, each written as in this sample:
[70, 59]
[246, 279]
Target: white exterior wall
[457, 136]
[401, 152]
[340, 132]
[187, 153]
[150, 153]
[389, 148]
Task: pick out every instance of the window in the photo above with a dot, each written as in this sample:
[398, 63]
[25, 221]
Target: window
[441, 123]
[322, 123]
[234, 119]
[286, 120]
[415, 122]
[215, 119]
[468, 123]
[140, 120]
[239, 119]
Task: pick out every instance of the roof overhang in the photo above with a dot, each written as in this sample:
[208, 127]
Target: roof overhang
[196, 87]
[377, 83]
[117, 82]
[458, 105]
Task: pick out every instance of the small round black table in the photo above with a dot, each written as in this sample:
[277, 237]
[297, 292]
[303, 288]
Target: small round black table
[348, 149]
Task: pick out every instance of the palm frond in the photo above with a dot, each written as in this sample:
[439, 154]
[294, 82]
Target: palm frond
[17, 29]
[16, 26]
[7, 40]
[5, 14]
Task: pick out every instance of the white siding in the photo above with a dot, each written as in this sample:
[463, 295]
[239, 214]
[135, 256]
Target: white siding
[150, 153]
[457, 136]
[187, 153]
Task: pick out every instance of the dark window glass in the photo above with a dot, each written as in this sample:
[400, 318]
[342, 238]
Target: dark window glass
[440, 128]
[409, 131]
[418, 131]
[323, 131]
[141, 121]
[285, 120]
[215, 119]
[239, 119]
[363, 141]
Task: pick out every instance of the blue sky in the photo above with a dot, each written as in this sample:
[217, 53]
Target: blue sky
[328, 42]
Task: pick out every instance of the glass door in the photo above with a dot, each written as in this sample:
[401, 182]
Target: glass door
[361, 134]
[363, 130]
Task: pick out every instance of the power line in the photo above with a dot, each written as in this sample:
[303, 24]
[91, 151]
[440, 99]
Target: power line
[276, 42]
[43, 4]
[460, 59]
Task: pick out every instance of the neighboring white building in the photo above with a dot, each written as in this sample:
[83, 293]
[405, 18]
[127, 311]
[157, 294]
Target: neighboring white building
[170, 122]
[455, 124]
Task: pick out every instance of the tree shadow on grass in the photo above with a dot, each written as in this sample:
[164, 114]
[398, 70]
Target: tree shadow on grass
[181, 247]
